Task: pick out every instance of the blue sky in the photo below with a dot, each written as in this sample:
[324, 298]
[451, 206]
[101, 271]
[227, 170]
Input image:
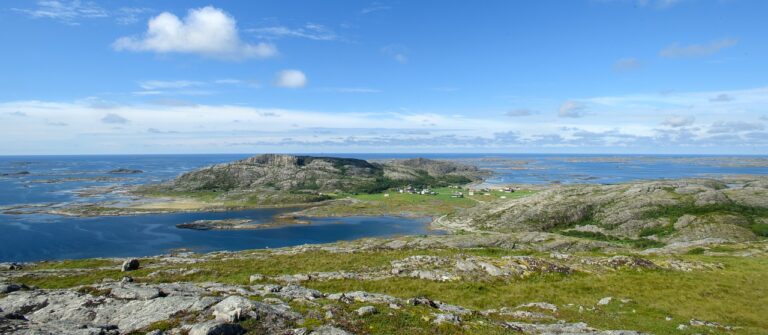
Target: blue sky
[591, 76]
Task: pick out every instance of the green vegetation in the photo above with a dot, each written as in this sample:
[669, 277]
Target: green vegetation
[752, 214]
[760, 229]
[391, 202]
[641, 243]
[75, 264]
[664, 230]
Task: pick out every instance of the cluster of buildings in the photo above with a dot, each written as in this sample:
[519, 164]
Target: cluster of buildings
[411, 190]
[456, 194]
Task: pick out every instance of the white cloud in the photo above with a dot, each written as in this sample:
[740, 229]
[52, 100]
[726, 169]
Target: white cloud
[374, 7]
[677, 121]
[160, 84]
[697, 50]
[398, 52]
[730, 127]
[626, 64]
[114, 119]
[722, 98]
[572, 109]
[183, 127]
[130, 15]
[520, 112]
[74, 11]
[65, 11]
[228, 81]
[206, 31]
[310, 31]
[290, 79]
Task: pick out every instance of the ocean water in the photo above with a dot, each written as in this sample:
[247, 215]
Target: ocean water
[58, 180]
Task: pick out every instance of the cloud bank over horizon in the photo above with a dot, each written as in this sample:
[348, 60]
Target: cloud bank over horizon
[686, 119]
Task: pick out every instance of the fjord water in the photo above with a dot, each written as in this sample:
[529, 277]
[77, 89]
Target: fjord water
[43, 237]
[57, 180]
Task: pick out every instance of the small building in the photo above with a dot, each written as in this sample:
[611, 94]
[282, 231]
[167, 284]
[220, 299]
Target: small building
[457, 195]
[471, 193]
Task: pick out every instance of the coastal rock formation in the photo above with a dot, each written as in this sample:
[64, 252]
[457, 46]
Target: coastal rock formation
[650, 213]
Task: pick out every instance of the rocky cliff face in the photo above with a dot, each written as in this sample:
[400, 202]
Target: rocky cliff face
[318, 174]
[680, 211]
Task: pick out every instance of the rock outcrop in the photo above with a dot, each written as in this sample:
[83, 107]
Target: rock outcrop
[731, 209]
[272, 172]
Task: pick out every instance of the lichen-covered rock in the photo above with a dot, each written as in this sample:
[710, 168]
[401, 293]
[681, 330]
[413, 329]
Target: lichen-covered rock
[443, 318]
[366, 310]
[214, 327]
[329, 330]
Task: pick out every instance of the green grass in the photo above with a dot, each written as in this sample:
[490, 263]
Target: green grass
[75, 264]
[413, 204]
[734, 296]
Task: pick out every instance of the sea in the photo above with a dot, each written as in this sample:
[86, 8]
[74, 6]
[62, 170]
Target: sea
[50, 181]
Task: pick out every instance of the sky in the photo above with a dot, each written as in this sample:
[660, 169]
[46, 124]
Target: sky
[543, 76]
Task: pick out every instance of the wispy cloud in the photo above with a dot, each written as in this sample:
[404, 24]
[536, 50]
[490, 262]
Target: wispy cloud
[290, 79]
[677, 121]
[572, 109]
[68, 12]
[74, 11]
[310, 31]
[626, 64]
[113, 118]
[130, 15]
[722, 98]
[520, 112]
[630, 122]
[697, 50]
[206, 31]
[374, 7]
[398, 52]
[160, 84]
[730, 127]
